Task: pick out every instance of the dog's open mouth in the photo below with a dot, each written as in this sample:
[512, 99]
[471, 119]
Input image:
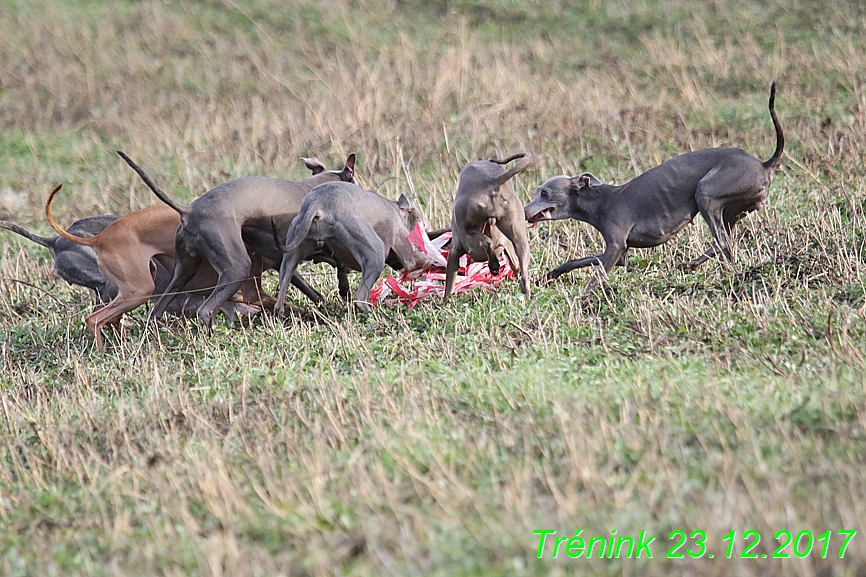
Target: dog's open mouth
[539, 216]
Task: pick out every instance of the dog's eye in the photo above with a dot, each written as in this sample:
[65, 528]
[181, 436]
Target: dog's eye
[545, 193]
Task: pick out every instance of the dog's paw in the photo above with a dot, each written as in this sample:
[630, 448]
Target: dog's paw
[525, 288]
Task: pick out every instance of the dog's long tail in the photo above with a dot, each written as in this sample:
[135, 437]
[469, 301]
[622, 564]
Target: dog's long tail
[46, 242]
[181, 209]
[519, 167]
[298, 231]
[780, 138]
[87, 241]
[509, 159]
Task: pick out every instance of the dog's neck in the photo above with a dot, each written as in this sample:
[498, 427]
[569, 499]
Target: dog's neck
[590, 203]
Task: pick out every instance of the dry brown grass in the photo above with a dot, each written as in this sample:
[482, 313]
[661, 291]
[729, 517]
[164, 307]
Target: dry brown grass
[433, 442]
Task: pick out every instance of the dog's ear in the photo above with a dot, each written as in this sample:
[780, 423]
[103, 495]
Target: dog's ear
[403, 202]
[348, 172]
[314, 164]
[584, 180]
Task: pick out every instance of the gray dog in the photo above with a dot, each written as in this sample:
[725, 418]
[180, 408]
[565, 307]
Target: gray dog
[488, 218]
[723, 184]
[361, 228]
[75, 263]
[228, 222]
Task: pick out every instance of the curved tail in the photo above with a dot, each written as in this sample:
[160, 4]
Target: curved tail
[509, 159]
[181, 209]
[46, 242]
[89, 241]
[505, 176]
[298, 231]
[780, 138]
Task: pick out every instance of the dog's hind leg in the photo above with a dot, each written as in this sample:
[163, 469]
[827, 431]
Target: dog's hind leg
[721, 227]
[185, 267]
[288, 268]
[232, 271]
[368, 250]
[135, 290]
[516, 243]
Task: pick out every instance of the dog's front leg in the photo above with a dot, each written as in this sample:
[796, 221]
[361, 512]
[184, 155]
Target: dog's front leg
[613, 254]
[453, 264]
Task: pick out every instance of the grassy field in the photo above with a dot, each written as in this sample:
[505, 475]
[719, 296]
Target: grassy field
[436, 441]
